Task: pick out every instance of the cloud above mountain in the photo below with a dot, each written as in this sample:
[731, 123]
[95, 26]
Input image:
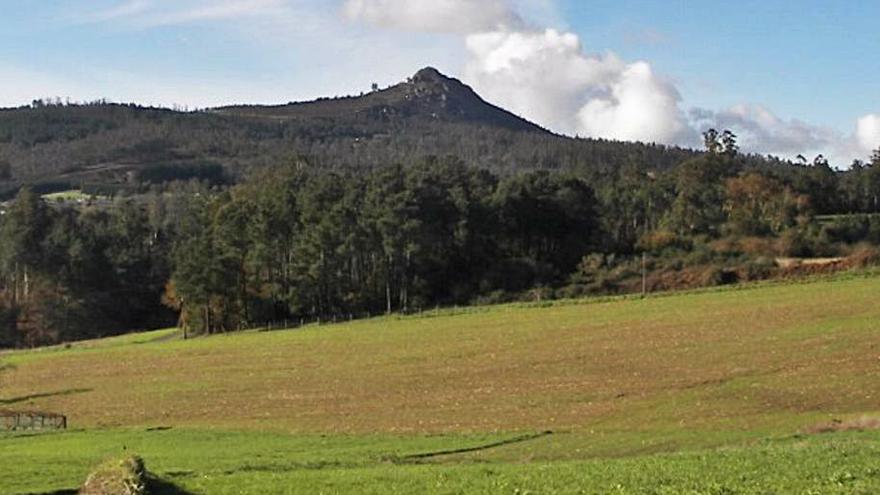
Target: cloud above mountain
[547, 76]
[544, 74]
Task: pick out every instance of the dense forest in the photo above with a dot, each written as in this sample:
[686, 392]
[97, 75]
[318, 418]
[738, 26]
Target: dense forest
[298, 241]
[404, 199]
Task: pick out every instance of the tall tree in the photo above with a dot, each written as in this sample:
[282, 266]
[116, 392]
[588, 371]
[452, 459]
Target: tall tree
[21, 250]
[698, 205]
[758, 206]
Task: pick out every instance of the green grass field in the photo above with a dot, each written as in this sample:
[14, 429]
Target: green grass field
[710, 392]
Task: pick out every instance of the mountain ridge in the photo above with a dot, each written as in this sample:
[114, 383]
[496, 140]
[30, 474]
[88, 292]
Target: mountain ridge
[428, 93]
[54, 147]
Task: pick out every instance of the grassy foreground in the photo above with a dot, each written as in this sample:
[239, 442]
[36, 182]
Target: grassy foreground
[197, 461]
[692, 393]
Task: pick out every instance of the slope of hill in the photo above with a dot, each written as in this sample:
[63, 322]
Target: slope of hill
[428, 96]
[57, 147]
[735, 368]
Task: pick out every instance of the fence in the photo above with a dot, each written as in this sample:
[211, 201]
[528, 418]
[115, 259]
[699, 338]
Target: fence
[18, 421]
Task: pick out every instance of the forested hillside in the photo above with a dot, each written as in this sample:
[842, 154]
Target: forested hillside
[105, 147]
[405, 199]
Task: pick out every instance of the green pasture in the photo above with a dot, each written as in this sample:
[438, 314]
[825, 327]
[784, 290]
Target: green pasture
[709, 392]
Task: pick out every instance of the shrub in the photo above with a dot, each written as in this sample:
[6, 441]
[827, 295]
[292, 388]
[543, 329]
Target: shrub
[757, 269]
[806, 242]
[662, 240]
[714, 275]
[848, 229]
[864, 255]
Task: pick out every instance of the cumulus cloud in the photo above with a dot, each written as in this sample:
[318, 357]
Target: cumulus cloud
[761, 131]
[868, 132]
[639, 107]
[441, 16]
[547, 76]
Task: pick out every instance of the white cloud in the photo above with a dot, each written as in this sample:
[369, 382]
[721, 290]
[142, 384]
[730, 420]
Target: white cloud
[868, 132]
[546, 76]
[640, 107]
[439, 16]
[761, 131]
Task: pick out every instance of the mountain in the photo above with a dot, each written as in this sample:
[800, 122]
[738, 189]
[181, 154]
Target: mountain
[53, 146]
[427, 96]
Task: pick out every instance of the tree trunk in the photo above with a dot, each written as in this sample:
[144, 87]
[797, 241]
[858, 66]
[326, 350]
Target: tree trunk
[388, 279]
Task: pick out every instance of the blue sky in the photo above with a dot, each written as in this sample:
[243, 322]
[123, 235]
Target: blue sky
[789, 76]
[809, 59]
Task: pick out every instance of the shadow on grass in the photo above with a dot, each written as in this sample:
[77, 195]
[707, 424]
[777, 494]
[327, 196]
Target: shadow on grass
[25, 398]
[465, 450]
[176, 335]
[156, 486]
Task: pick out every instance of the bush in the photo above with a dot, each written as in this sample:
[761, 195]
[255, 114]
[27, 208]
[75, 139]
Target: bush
[758, 269]
[662, 240]
[864, 256]
[712, 276]
[807, 242]
[744, 245]
[700, 255]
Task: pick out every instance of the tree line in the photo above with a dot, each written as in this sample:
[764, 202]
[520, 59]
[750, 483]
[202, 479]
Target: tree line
[301, 241]
[295, 242]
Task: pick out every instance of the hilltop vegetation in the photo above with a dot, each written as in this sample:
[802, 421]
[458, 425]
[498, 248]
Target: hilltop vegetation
[710, 392]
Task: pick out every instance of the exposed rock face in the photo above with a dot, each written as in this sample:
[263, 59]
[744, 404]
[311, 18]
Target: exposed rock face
[433, 94]
[428, 96]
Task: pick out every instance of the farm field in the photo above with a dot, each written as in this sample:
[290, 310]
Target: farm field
[706, 392]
